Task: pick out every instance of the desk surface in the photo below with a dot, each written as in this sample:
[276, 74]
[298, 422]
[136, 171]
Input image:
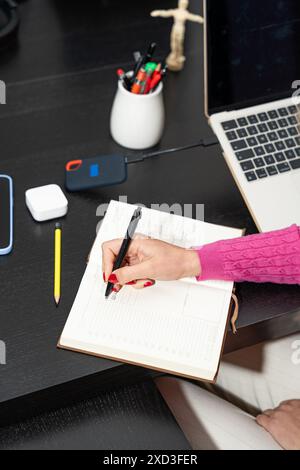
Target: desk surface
[131, 417]
[61, 82]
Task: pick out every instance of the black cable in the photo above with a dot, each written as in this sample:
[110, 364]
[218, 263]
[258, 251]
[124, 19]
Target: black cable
[202, 143]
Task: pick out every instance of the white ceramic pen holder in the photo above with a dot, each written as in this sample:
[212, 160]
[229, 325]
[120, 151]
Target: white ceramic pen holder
[137, 121]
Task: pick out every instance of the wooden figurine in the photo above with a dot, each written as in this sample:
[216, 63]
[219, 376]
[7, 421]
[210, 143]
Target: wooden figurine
[176, 59]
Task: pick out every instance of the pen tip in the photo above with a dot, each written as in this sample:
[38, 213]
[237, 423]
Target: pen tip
[57, 299]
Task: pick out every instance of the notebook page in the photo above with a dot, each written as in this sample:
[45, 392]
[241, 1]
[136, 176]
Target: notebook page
[175, 326]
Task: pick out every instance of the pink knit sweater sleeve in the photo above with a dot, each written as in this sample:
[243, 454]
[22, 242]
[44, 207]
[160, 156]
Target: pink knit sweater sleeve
[266, 257]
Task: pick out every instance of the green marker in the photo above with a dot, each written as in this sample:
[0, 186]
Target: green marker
[149, 69]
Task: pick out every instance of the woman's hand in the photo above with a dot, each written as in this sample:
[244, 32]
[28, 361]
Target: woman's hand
[148, 260]
[283, 423]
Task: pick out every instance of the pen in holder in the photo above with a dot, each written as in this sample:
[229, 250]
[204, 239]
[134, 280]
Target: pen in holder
[137, 121]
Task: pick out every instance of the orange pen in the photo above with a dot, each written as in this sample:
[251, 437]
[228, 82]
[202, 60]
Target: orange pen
[139, 82]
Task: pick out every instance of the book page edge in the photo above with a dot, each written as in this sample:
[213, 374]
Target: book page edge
[138, 364]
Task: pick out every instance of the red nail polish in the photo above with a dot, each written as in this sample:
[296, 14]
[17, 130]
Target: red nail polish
[113, 278]
[114, 289]
[104, 277]
[148, 284]
[130, 283]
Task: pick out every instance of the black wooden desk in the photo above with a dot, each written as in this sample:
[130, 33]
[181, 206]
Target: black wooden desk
[61, 82]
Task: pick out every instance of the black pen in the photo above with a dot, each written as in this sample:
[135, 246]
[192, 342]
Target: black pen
[150, 52]
[143, 60]
[125, 246]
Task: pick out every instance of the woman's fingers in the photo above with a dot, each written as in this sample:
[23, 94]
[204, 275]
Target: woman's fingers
[143, 283]
[268, 412]
[138, 284]
[117, 287]
[109, 252]
[141, 236]
[263, 420]
[134, 274]
[127, 274]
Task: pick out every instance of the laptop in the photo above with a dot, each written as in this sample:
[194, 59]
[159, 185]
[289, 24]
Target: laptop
[252, 83]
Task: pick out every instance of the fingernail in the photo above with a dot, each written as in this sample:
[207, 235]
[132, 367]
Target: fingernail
[114, 289]
[113, 278]
[104, 277]
[148, 284]
[130, 283]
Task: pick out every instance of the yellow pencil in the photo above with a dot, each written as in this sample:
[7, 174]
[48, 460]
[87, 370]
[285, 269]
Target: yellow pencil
[57, 263]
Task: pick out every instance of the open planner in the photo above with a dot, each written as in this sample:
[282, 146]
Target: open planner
[178, 327]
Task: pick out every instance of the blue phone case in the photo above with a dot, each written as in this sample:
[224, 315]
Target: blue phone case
[7, 249]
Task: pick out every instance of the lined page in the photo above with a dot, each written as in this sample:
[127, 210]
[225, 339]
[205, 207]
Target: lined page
[175, 326]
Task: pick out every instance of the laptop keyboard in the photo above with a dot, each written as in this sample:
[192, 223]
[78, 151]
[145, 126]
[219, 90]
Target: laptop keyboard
[266, 144]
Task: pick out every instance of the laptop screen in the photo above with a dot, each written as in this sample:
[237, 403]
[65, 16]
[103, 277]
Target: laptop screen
[253, 51]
